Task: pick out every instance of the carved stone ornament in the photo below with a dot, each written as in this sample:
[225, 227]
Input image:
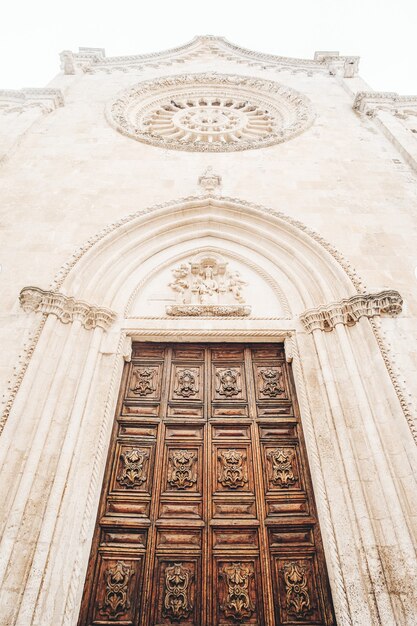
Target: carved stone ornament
[296, 590]
[181, 472]
[133, 474]
[228, 383]
[186, 383]
[116, 599]
[270, 382]
[238, 603]
[210, 310]
[350, 310]
[282, 473]
[232, 472]
[19, 101]
[210, 112]
[370, 102]
[65, 308]
[209, 181]
[142, 381]
[204, 286]
[177, 604]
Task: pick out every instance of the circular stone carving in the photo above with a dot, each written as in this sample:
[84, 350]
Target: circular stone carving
[210, 112]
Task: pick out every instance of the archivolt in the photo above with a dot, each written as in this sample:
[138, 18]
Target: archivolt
[99, 269]
[177, 258]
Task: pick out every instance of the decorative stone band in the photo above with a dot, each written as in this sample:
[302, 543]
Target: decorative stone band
[349, 310]
[209, 310]
[65, 308]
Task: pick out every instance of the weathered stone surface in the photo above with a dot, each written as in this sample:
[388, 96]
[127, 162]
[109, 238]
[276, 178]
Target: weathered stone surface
[95, 217]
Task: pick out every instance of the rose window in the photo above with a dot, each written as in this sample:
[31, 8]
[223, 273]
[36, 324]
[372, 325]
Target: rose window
[210, 113]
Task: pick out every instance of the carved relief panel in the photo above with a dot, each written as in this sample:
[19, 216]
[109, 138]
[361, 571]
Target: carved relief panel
[187, 383]
[299, 590]
[177, 591]
[281, 468]
[183, 469]
[118, 583]
[270, 382]
[233, 469]
[145, 382]
[229, 383]
[239, 593]
[133, 470]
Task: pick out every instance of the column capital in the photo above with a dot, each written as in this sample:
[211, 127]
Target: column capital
[349, 310]
[65, 308]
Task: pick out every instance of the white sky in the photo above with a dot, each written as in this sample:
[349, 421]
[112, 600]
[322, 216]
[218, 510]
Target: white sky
[382, 32]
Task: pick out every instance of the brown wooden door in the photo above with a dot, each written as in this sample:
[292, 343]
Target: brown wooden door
[207, 515]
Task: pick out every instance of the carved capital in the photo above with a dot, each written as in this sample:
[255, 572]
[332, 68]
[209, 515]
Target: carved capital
[65, 308]
[349, 310]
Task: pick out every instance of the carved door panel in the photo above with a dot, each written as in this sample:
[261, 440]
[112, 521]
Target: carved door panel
[207, 516]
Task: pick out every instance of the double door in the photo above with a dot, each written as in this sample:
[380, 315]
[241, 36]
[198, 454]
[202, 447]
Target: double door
[207, 516]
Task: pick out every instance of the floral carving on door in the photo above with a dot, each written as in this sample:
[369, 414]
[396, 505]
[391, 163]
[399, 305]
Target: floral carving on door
[233, 473]
[133, 474]
[143, 381]
[116, 600]
[177, 604]
[282, 471]
[270, 382]
[238, 604]
[296, 589]
[181, 472]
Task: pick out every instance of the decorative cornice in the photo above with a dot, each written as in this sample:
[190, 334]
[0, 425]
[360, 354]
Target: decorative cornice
[349, 310]
[93, 60]
[370, 102]
[209, 310]
[16, 101]
[65, 308]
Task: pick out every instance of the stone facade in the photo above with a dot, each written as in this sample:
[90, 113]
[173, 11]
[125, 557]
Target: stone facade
[296, 222]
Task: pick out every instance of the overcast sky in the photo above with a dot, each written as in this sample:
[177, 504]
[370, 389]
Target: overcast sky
[382, 32]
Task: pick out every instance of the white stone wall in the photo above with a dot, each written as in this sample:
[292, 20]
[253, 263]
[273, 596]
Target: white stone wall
[66, 176]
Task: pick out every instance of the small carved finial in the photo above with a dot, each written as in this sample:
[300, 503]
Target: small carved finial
[209, 181]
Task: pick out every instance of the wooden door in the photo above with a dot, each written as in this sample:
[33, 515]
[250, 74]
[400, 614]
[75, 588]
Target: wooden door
[207, 515]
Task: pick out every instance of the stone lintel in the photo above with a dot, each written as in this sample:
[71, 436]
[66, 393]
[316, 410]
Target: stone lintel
[349, 310]
[65, 308]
